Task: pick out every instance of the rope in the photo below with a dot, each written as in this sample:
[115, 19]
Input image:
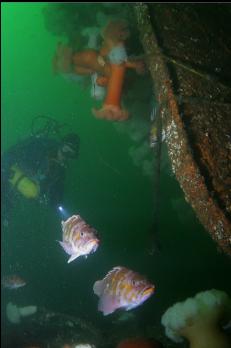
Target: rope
[155, 244]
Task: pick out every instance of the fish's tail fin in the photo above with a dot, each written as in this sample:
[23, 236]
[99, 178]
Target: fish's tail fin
[98, 287]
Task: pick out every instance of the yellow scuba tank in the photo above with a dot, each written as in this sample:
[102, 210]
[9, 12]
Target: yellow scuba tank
[26, 186]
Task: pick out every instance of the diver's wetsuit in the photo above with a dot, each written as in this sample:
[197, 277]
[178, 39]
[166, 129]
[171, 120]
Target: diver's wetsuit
[35, 156]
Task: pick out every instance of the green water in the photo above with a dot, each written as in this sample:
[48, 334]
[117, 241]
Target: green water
[104, 186]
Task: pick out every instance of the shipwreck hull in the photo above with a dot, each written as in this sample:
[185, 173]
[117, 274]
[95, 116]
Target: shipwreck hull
[190, 66]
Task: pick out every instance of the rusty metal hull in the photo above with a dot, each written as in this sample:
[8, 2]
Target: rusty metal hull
[195, 109]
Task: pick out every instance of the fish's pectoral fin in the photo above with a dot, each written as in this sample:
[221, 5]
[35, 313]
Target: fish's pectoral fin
[66, 246]
[73, 257]
[107, 304]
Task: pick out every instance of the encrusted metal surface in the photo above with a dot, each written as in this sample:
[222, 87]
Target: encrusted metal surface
[195, 108]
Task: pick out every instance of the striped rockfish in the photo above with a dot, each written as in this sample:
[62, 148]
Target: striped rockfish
[78, 238]
[122, 288]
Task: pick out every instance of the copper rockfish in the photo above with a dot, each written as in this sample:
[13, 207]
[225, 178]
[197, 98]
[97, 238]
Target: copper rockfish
[13, 282]
[78, 237]
[122, 288]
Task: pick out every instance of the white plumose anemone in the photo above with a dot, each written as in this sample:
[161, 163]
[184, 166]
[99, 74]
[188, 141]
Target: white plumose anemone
[14, 313]
[198, 319]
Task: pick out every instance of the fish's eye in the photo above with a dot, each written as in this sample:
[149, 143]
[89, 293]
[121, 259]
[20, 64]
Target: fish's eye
[81, 233]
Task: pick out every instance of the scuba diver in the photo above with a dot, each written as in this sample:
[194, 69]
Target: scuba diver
[35, 167]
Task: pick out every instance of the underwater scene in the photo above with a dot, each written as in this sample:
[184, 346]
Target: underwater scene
[115, 175]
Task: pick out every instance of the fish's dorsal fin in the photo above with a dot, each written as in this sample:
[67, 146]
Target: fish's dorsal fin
[73, 257]
[114, 269]
[73, 218]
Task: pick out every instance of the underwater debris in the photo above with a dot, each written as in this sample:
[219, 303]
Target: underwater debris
[46, 328]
